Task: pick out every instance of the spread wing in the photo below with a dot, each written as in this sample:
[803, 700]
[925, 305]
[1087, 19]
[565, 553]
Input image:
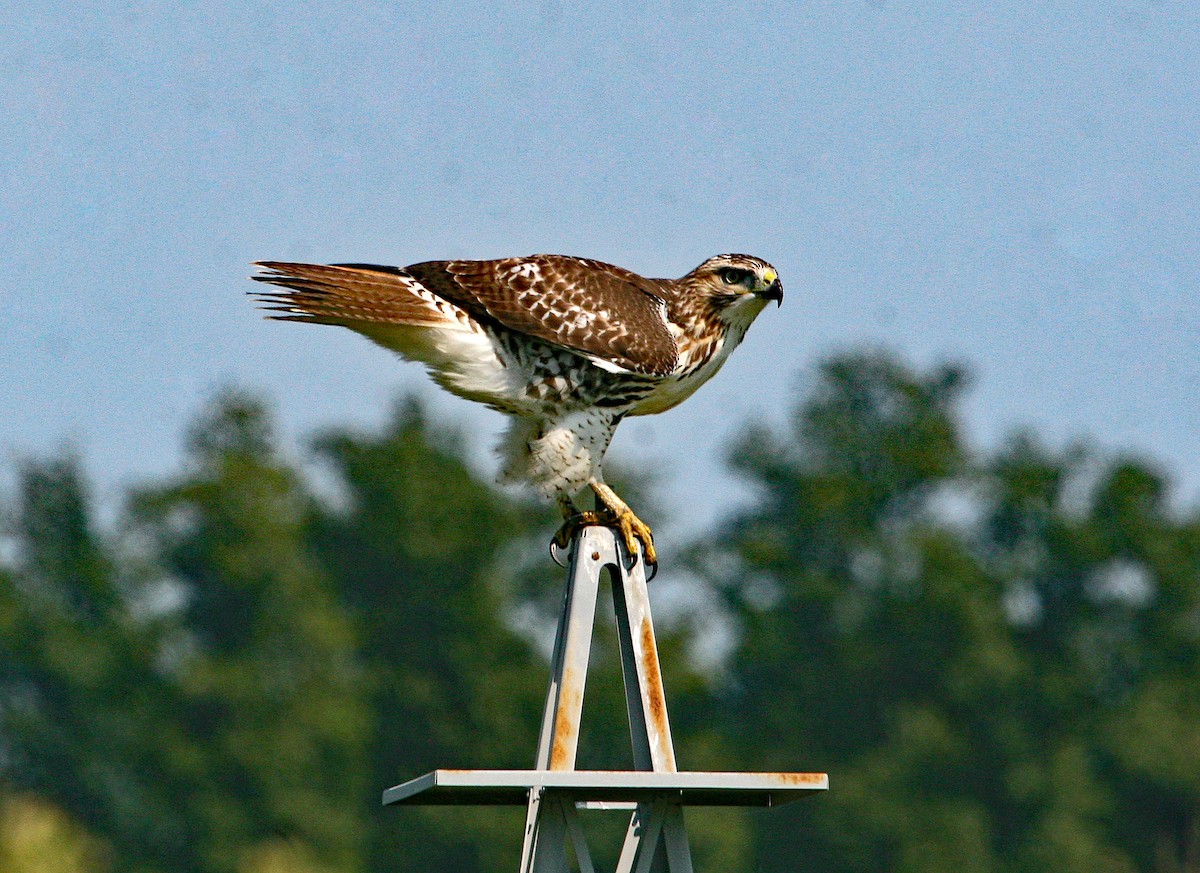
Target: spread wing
[612, 316]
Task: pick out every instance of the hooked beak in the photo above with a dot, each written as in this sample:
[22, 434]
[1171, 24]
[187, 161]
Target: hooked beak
[774, 291]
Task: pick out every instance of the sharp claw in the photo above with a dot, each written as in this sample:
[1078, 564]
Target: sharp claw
[651, 554]
[635, 535]
[556, 550]
[639, 541]
[561, 540]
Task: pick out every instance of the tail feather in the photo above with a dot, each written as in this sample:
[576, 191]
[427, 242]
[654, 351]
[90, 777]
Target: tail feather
[392, 308]
[349, 295]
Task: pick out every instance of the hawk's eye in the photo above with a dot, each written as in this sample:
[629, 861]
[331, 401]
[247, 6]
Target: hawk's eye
[733, 276]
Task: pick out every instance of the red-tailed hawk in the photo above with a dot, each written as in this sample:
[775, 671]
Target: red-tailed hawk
[566, 346]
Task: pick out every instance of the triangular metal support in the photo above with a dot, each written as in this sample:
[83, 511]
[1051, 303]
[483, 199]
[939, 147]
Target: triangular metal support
[656, 840]
[655, 822]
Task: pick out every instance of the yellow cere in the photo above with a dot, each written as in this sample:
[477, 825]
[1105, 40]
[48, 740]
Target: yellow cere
[770, 276]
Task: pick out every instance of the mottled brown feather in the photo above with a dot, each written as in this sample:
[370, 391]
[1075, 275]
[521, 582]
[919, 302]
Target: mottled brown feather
[589, 307]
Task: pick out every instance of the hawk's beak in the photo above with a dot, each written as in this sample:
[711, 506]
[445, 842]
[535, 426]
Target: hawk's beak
[774, 291]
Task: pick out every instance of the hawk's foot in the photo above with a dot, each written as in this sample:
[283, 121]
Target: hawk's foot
[575, 520]
[634, 532]
[636, 535]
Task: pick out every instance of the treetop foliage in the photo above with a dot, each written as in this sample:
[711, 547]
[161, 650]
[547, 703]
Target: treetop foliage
[994, 653]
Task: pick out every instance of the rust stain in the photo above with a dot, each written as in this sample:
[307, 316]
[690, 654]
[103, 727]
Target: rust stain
[654, 687]
[564, 727]
[558, 755]
[799, 778]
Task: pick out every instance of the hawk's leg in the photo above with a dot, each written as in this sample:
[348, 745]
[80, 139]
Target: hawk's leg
[631, 527]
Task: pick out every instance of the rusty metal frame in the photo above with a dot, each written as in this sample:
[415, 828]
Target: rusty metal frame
[553, 793]
[654, 822]
[604, 789]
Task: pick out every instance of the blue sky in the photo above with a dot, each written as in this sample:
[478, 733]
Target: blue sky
[1011, 185]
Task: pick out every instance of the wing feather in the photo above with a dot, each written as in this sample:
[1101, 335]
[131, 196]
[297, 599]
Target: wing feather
[611, 315]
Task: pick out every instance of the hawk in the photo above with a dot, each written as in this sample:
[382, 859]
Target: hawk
[566, 346]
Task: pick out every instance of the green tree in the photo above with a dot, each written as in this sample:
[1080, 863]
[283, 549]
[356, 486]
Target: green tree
[995, 655]
[1108, 573]
[266, 745]
[956, 640]
[422, 552]
[81, 689]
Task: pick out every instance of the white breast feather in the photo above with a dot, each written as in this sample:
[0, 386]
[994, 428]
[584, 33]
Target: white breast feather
[674, 390]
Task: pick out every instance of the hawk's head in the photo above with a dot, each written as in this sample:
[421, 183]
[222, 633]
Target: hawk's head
[736, 287]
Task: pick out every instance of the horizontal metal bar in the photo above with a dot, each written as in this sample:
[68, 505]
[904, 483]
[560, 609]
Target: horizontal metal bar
[688, 788]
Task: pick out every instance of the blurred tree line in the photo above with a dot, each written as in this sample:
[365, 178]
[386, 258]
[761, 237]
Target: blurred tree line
[994, 654]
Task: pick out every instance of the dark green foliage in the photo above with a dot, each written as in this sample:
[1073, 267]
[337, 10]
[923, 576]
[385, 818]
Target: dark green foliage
[419, 553]
[973, 650]
[271, 720]
[82, 698]
[996, 656]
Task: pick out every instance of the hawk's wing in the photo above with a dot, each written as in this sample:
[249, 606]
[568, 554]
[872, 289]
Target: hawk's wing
[612, 316]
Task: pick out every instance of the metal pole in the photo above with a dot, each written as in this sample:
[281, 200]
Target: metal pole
[547, 819]
[656, 839]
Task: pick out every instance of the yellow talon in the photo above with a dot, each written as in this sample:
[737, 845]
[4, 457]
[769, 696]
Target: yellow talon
[614, 512]
[576, 520]
[637, 536]
[635, 532]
